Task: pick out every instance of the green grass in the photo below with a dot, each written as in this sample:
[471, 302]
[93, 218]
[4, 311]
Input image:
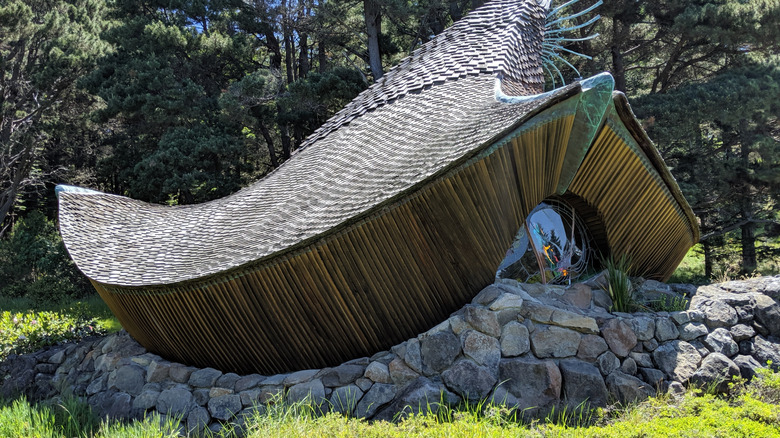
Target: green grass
[72, 418]
[691, 268]
[746, 414]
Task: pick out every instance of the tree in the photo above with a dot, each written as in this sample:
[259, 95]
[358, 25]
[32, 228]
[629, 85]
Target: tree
[161, 88]
[45, 47]
[721, 137]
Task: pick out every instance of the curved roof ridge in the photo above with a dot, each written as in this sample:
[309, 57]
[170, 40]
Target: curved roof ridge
[503, 36]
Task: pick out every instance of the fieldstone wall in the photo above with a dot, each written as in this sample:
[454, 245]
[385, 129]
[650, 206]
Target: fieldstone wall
[524, 345]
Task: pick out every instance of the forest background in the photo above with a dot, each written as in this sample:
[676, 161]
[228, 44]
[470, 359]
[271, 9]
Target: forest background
[184, 101]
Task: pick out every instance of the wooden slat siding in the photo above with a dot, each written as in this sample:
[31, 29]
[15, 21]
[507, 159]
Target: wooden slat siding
[641, 217]
[405, 269]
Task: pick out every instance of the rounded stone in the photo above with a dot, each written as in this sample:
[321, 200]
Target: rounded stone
[225, 407]
[619, 336]
[439, 350]
[553, 341]
[514, 339]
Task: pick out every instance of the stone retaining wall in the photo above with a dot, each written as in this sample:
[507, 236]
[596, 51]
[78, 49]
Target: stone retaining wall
[524, 345]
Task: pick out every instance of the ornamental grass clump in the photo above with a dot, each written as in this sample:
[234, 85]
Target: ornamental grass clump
[619, 285]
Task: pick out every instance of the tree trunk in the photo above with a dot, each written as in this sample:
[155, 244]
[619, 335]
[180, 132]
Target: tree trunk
[303, 37]
[618, 66]
[288, 42]
[748, 238]
[274, 48]
[322, 56]
[373, 16]
[269, 141]
[749, 263]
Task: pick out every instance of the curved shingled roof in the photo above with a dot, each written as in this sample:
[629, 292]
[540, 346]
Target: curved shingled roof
[354, 162]
[393, 214]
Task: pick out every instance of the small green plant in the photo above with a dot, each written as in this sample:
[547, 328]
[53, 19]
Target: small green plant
[668, 303]
[619, 285]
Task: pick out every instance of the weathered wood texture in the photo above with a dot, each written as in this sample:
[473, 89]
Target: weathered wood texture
[406, 267]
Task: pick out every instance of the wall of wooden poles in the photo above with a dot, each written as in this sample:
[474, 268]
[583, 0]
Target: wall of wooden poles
[404, 268]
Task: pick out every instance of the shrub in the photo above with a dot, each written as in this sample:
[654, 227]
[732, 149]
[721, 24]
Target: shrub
[27, 332]
[35, 264]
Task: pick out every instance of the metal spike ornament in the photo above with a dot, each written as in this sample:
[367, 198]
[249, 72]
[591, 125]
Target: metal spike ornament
[554, 38]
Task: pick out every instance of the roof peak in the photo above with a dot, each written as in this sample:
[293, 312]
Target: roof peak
[503, 36]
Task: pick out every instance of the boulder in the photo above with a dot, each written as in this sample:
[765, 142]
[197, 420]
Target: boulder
[715, 372]
[342, 374]
[535, 383]
[644, 327]
[248, 382]
[482, 319]
[204, 378]
[400, 373]
[378, 372]
[720, 314]
[175, 401]
[344, 400]
[379, 395]
[578, 295]
[421, 396]
[720, 341]
[469, 380]
[582, 383]
[553, 341]
[514, 339]
[311, 393]
[652, 376]
[507, 301]
[607, 363]
[198, 421]
[747, 366]
[767, 312]
[628, 389]
[484, 350]
[665, 330]
[225, 407]
[129, 379]
[628, 366]
[440, 350]
[591, 347]
[741, 332]
[677, 359]
[766, 350]
[692, 330]
[619, 336]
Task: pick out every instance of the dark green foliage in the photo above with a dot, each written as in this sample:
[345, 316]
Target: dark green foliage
[45, 47]
[721, 138]
[310, 101]
[34, 264]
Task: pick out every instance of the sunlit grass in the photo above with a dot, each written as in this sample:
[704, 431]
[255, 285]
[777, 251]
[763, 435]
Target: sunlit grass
[749, 412]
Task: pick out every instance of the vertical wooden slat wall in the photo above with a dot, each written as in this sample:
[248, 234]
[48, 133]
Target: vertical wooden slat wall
[640, 216]
[362, 289]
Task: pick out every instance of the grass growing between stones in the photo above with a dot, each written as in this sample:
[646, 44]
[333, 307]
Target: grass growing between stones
[619, 285]
[751, 411]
